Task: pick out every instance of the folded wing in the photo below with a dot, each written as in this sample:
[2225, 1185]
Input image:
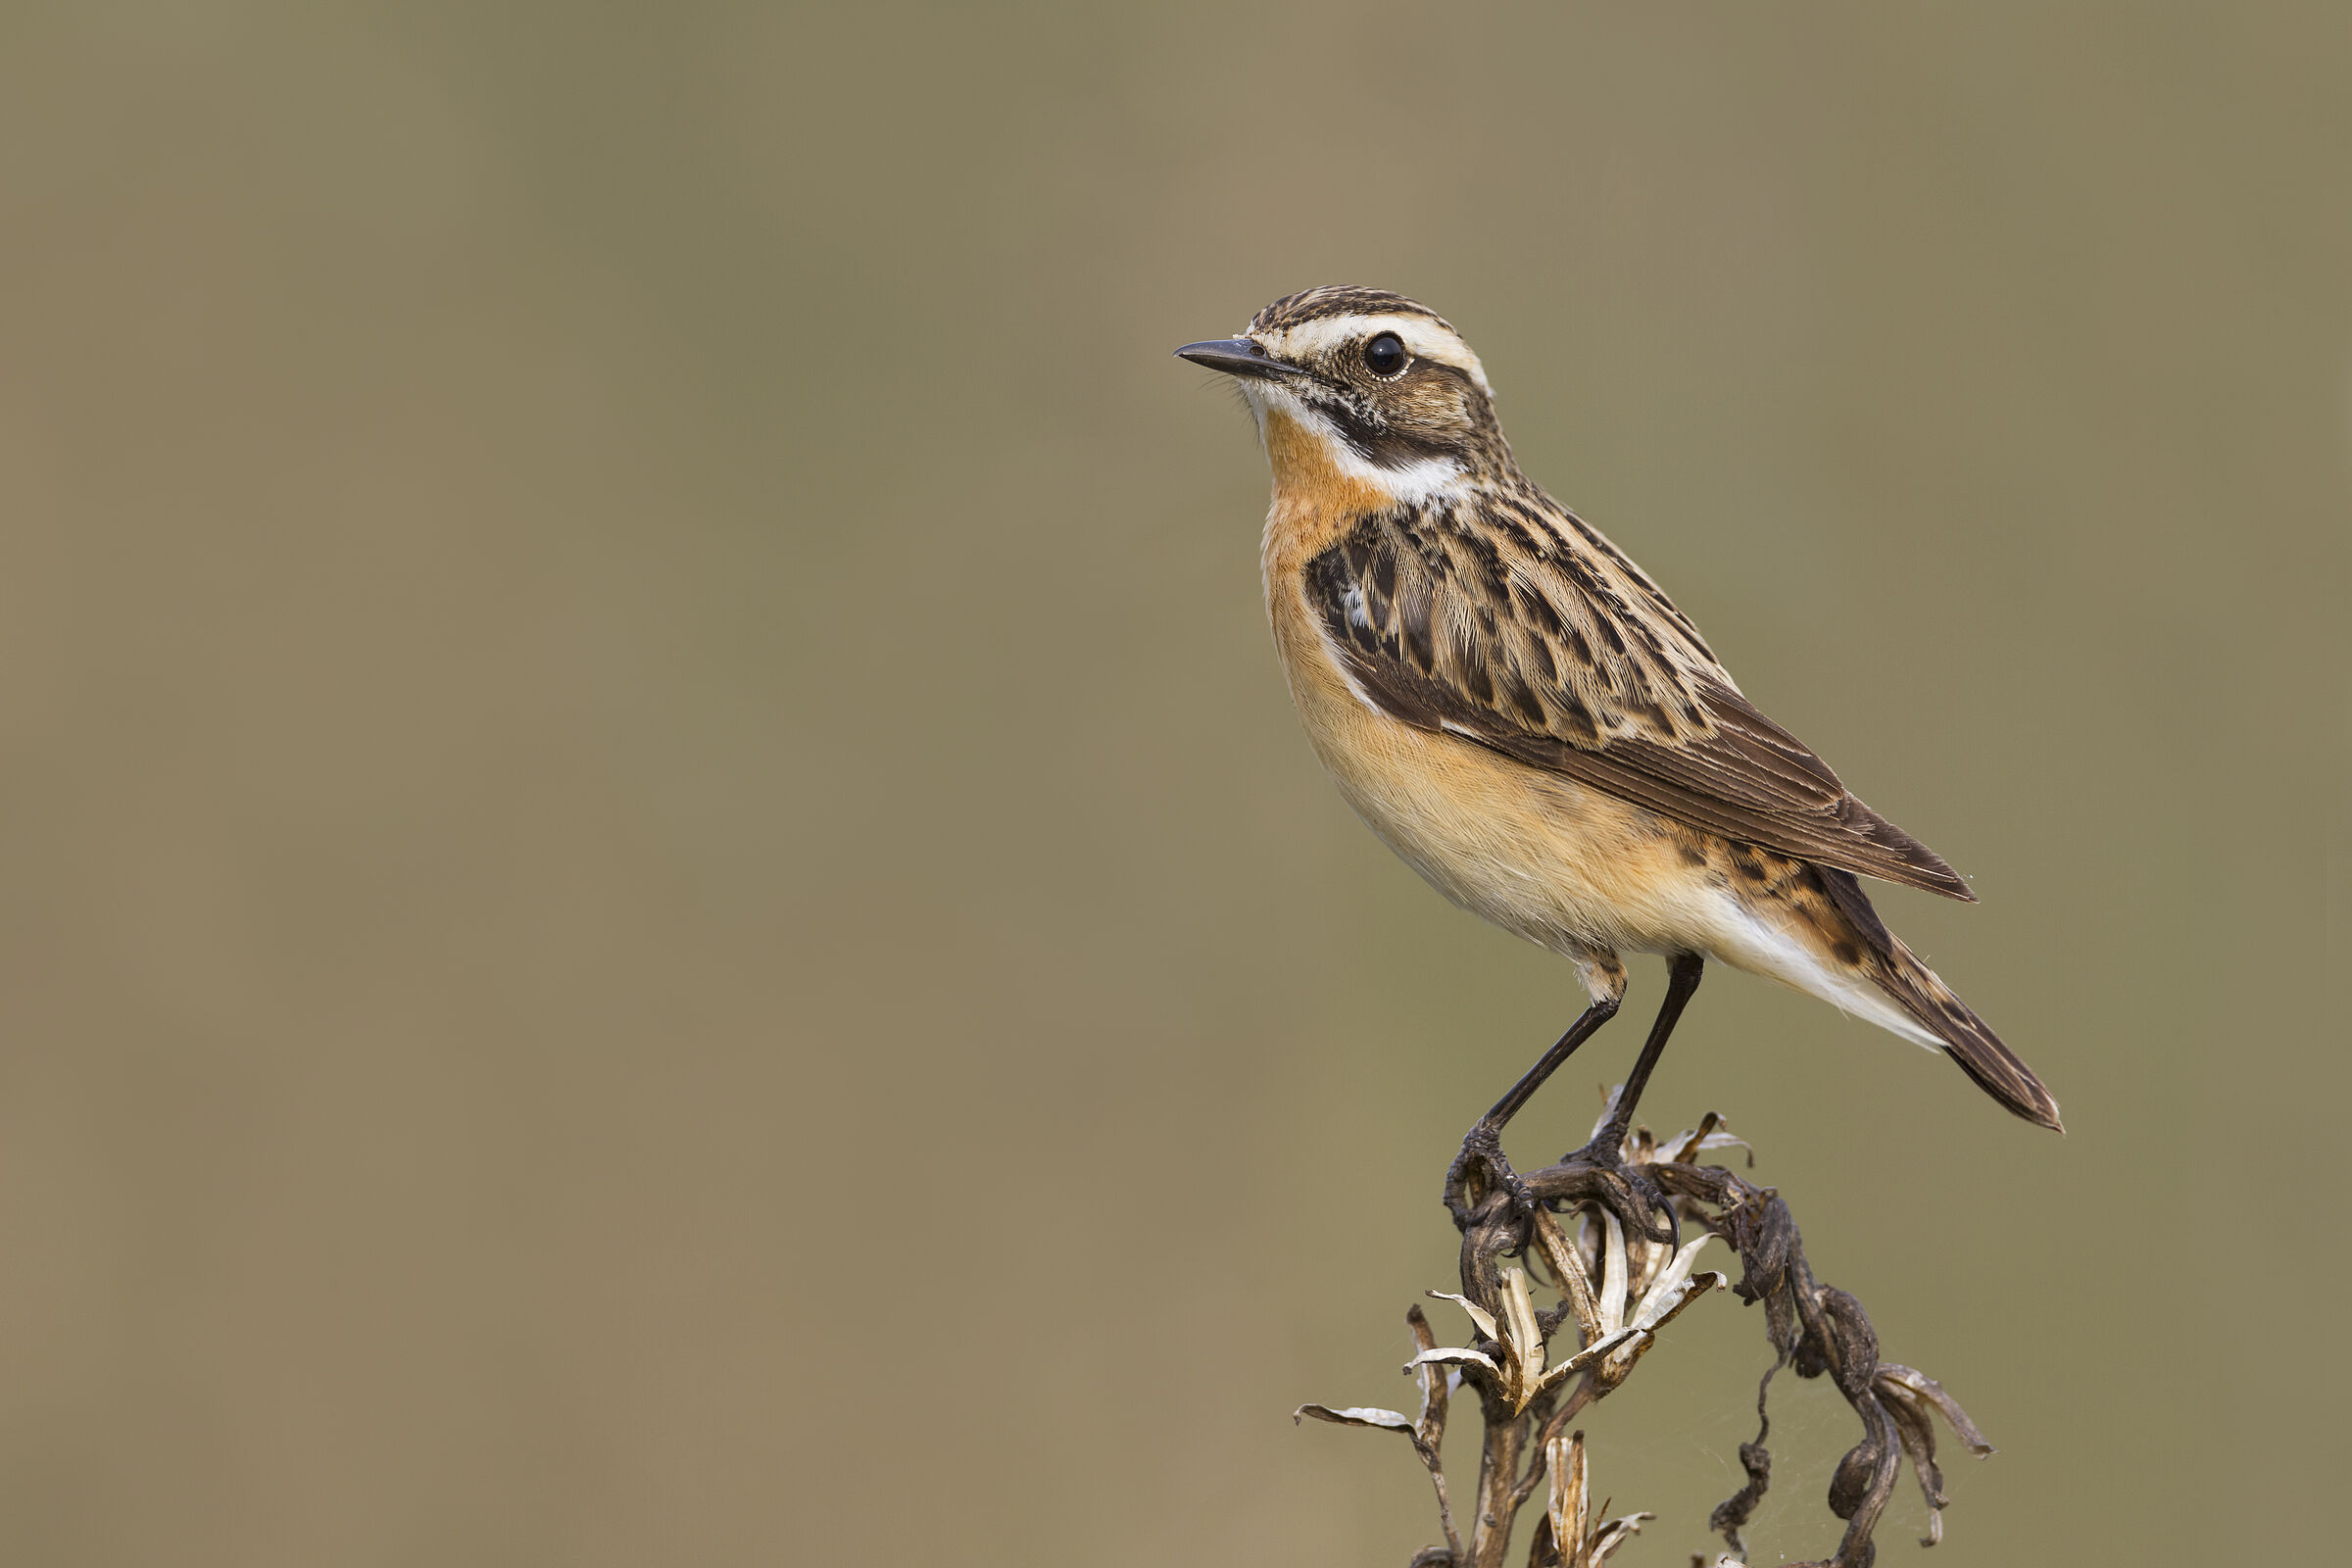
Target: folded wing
[1559, 653]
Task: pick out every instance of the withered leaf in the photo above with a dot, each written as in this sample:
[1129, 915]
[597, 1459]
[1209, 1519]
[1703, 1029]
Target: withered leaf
[1356, 1416]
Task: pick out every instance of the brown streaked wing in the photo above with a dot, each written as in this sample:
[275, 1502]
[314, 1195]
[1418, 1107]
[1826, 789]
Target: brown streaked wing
[1545, 651]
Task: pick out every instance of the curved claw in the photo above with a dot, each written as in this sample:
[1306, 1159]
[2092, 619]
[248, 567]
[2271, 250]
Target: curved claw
[1656, 1198]
[1482, 1149]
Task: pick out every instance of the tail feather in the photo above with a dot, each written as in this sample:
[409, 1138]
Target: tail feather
[1967, 1039]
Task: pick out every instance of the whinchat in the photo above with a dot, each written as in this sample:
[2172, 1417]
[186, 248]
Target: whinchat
[1528, 721]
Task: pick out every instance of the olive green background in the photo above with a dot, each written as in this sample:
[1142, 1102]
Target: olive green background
[659, 902]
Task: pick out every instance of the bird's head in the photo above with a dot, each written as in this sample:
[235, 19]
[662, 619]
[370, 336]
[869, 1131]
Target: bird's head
[1363, 384]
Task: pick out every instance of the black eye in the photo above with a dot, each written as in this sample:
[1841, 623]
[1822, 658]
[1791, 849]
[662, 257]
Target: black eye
[1384, 355]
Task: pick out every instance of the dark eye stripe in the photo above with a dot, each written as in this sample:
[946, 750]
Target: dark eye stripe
[1378, 443]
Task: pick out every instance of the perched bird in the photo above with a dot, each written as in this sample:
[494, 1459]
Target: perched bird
[1524, 716]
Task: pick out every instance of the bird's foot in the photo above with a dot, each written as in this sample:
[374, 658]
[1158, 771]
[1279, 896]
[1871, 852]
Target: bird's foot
[1627, 1190]
[1480, 1172]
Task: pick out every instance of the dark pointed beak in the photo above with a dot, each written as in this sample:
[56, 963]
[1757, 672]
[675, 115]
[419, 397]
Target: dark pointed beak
[1238, 356]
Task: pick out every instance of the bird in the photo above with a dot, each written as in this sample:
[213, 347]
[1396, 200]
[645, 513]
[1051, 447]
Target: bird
[1522, 714]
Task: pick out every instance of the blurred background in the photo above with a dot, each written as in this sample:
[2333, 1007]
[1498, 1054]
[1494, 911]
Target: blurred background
[662, 904]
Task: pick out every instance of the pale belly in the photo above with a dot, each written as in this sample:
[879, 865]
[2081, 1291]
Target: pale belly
[1568, 868]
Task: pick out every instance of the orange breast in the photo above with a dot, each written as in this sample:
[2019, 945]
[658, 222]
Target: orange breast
[1314, 498]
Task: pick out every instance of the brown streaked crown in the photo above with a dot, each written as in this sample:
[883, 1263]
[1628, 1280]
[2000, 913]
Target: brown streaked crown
[1339, 299]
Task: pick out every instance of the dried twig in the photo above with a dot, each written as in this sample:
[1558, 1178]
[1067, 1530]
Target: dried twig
[1591, 1234]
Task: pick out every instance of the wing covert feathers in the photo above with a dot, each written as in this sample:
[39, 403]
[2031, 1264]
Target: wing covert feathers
[1515, 626]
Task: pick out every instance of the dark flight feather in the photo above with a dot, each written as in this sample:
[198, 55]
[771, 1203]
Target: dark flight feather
[1967, 1039]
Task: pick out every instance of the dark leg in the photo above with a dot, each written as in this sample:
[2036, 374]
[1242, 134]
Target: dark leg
[1682, 980]
[1607, 1148]
[1482, 1147]
[1587, 1025]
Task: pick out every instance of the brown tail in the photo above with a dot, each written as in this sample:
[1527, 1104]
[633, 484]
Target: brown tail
[1966, 1037]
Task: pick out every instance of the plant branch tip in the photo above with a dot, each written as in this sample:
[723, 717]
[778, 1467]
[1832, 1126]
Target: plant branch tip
[1580, 1229]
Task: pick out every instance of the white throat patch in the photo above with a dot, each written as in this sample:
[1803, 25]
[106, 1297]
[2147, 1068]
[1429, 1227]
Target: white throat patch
[1415, 481]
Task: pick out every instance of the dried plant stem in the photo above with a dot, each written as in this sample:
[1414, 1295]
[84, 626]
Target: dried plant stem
[1498, 1469]
[1453, 1536]
[1585, 1392]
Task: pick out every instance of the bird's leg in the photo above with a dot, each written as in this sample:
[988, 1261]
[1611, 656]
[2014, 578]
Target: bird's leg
[1607, 1148]
[1481, 1146]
